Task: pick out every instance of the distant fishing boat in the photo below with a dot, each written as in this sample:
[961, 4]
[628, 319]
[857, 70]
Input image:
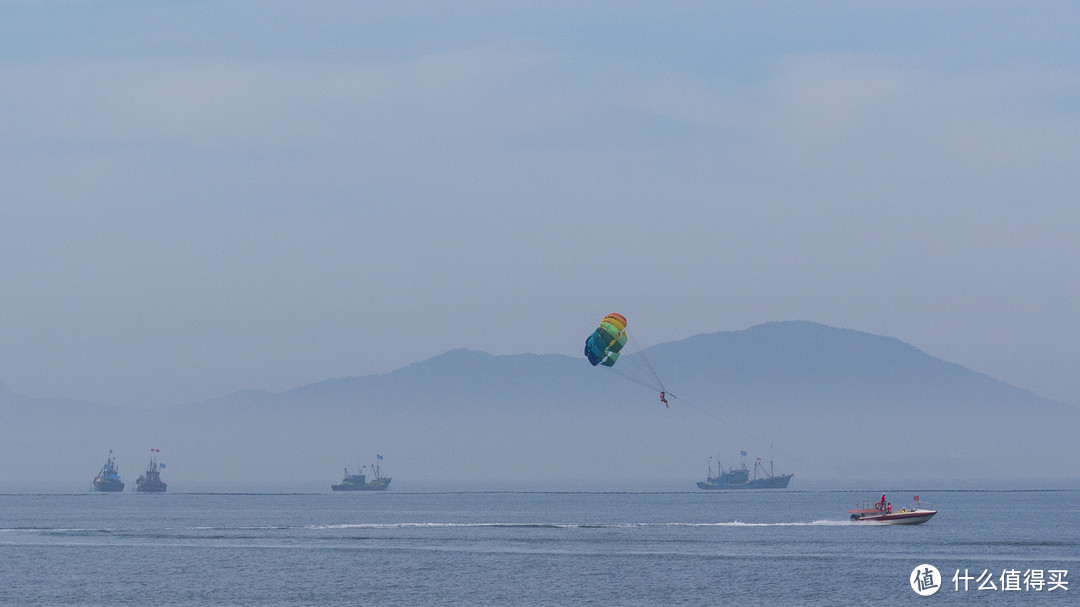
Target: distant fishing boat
[109, 477]
[740, 478]
[150, 481]
[359, 482]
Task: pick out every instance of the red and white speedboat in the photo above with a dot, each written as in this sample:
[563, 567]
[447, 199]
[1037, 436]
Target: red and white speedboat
[882, 512]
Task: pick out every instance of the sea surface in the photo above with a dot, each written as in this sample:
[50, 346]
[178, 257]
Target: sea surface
[779, 547]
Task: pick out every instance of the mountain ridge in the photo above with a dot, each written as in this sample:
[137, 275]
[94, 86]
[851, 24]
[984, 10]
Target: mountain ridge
[836, 403]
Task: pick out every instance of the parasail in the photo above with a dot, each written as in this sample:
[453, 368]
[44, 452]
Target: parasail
[603, 346]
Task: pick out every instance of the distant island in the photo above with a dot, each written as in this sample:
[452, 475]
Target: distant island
[836, 403]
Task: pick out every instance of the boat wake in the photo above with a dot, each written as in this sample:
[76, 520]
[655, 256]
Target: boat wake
[493, 525]
[202, 529]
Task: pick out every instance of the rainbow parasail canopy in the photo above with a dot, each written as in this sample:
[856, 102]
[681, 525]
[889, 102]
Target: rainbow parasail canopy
[602, 347]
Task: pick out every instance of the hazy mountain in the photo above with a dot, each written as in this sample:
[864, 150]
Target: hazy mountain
[836, 404]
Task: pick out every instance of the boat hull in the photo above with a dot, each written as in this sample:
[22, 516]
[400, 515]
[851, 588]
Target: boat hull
[916, 517]
[376, 485]
[110, 486]
[151, 488]
[778, 482]
[769, 482]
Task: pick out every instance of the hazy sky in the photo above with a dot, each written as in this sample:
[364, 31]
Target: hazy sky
[203, 197]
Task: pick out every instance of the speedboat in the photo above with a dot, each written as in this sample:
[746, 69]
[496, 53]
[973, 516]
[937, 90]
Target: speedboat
[882, 511]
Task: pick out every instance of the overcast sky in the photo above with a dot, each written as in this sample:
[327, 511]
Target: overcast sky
[203, 197]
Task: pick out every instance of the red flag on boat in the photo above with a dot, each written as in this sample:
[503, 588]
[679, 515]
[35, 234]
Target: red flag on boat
[916, 498]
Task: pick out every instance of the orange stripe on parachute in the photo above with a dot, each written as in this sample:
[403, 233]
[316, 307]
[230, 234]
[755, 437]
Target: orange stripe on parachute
[616, 319]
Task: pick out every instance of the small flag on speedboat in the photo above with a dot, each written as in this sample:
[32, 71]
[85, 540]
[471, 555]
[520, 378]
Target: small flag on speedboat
[161, 466]
[377, 456]
[742, 453]
[916, 498]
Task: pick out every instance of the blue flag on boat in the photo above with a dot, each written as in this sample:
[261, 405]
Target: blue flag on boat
[742, 453]
[377, 456]
[161, 466]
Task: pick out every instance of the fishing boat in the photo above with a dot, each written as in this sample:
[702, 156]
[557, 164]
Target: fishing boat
[109, 477]
[150, 481]
[770, 480]
[882, 512]
[741, 478]
[359, 482]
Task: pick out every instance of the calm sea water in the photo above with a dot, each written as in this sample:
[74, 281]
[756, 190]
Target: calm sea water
[521, 548]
